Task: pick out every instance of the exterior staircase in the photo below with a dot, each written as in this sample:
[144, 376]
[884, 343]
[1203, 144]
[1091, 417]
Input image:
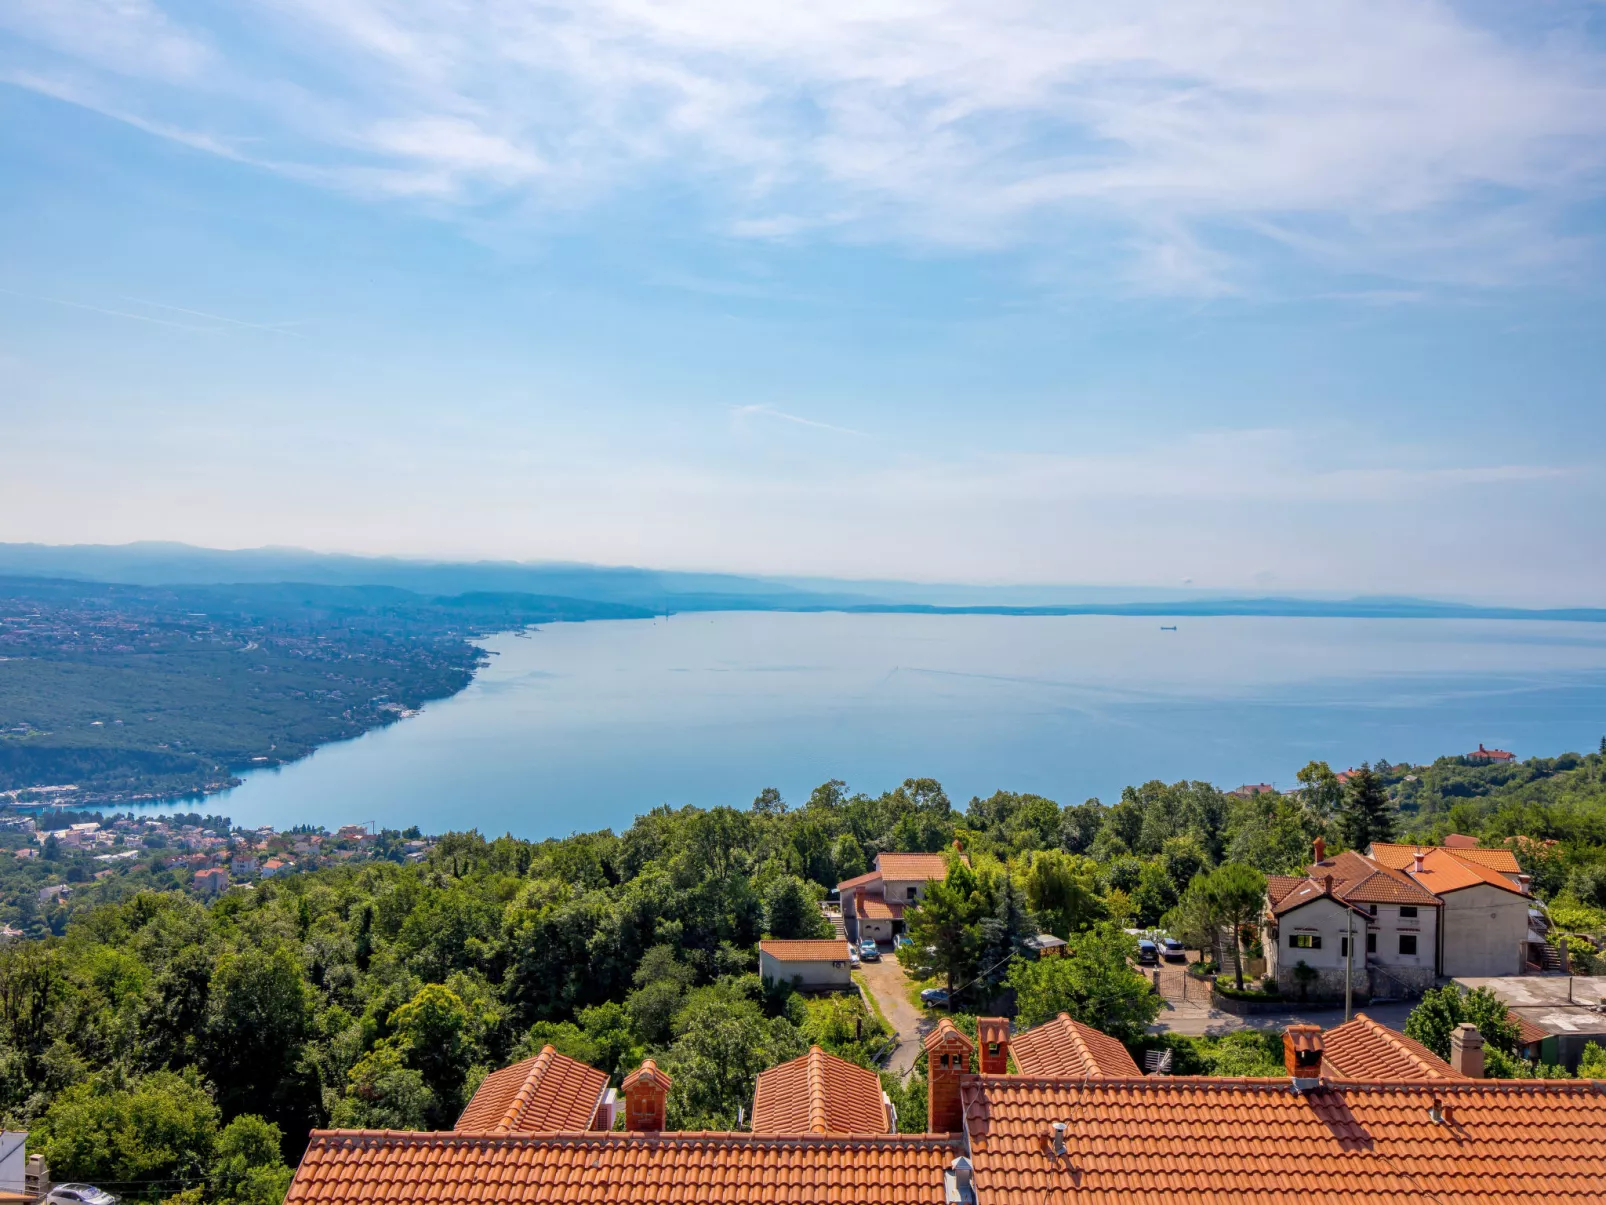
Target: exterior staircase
[1551, 958]
[838, 925]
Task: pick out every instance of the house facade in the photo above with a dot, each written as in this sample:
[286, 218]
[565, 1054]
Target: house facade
[873, 903]
[1486, 901]
[808, 965]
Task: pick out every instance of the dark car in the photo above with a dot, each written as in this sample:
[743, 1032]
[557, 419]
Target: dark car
[1148, 953]
[869, 951]
[1172, 949]
[934, 997]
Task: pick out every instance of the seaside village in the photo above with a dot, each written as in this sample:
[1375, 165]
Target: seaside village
[1062, 1112]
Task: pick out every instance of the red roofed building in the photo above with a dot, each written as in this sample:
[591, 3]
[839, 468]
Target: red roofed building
[873, 903]
[820, 1093]
[549, 1092]
[808, 964]
[1485, 905]
[1363, 1051]
[1063, 1047]
[1480, 754]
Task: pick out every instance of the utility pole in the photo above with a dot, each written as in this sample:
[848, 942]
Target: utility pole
[1349, 960]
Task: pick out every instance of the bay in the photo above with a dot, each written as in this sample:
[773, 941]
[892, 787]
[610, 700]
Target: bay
[583, 726]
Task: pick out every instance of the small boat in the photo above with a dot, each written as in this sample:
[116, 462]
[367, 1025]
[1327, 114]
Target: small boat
[1172, 628]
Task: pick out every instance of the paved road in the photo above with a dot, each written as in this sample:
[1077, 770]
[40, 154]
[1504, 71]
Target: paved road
[1202, 1020]
[888, 984]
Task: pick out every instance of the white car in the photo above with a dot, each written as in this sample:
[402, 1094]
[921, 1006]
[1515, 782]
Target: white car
[79, 1194]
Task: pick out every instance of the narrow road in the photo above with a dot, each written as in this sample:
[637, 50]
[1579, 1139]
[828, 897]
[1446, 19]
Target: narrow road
[888, 984]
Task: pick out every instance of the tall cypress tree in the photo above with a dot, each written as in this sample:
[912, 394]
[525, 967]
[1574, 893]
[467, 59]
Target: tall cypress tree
[1367, 815]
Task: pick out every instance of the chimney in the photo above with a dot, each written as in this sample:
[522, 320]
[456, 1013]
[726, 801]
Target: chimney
[947, 1059]
[646, 1098]
[1327, 883]
[1466, 1050]
[1321, 849]
[959, 1182]
[992, 1035]
[1417, 860]
[1302, 1055]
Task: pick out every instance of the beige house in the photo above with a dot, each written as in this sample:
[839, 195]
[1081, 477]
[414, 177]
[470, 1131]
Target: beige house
[1485, 929]
[807, 965]
[873, 903]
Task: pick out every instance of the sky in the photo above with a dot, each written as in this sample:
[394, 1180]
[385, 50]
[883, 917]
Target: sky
[1231, 295]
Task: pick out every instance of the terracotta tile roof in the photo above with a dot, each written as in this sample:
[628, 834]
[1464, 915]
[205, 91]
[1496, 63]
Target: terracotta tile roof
[821, 950]
[1066, 1047]
[549, 1092]
[354, 1167]
[1459, 841]
[873, 876]
[1279, 885]
[819, 1093]
[1309, 891]
[913, 867]
[1400, 857]
[1179, 1140]
[873, 907]
[1445, 870]
[1361, 1049]
[1363, 880]
[1527, 1032]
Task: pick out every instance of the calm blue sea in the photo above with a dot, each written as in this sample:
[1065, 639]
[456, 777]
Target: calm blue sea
[580, 726]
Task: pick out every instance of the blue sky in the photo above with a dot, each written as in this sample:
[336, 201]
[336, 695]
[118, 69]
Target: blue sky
[1244, 295]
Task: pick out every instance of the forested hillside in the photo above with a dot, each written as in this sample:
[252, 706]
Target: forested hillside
[157, 1043]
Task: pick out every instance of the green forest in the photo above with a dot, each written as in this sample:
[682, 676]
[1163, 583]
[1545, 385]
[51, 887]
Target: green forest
[163, 1047]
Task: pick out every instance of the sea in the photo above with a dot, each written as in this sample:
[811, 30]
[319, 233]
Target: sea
[582, 726]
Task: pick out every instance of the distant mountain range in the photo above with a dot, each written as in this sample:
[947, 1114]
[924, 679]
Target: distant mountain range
[165, 564]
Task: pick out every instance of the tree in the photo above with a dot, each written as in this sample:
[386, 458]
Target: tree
[247, 1167]
[942, 928]
[1367, 815]
[1060, 891]
[1433, 1020]
[1320, 789]
[429, 1032]
[1193, 921]
[383, 1093]
[1236, 898]
[159, 1128]
[791, 910]
[1093, 981]
[257, 1015]
[769, 803]
[1005, 933]
[1079, 826]
[661, 983]
[722, 1042]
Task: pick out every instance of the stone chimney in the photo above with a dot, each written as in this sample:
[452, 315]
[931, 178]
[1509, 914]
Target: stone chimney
[1320, 848]
[1327, 883]
[1466, 1050]
[1302, 1055]
[1418, 860]
[646, 1098]
[992, 1035]
[948, 1058]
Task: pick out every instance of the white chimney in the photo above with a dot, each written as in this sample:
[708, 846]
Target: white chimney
[1417, 860]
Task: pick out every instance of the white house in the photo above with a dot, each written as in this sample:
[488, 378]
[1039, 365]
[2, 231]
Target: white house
[1485, 905]
[806, 964]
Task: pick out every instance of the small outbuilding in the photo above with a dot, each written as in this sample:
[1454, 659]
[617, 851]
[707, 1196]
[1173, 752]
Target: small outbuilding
[807, 965]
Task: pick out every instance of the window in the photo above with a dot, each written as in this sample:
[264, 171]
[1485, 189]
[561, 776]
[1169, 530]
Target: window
[1304, 941]
[1407, 913]
[1343, 947]
[1407, 943]
[1371, 943]
[914, 893]
[1372, 908]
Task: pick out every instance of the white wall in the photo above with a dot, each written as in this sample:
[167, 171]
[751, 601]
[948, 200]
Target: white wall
[812, 974]
[1484, 931]
[1389, 925]
[1323, 917]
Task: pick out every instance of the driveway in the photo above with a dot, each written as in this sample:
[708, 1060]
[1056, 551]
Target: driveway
[1200, 1020]
[886, 981]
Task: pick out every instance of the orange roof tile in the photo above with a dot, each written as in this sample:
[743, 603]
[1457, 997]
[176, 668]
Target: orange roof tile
[1363, 880]
[873, 907]
[354, 1167]
[1179, 1140]
[810, 950]
[1361, 1049]
[1308, 892]
[549, 1092]
[1400, 857]
[819, 1093]
[1445, 870]
[913, 867]
[1066, 1047]
[873, 876]
[1527, 1032]
[1279, 885]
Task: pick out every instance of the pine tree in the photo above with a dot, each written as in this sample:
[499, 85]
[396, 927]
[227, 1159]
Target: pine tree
[1006, 932]
[1367, 815]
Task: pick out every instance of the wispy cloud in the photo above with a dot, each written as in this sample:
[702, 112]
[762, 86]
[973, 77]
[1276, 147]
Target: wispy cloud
[739, 413]
[1404, 140]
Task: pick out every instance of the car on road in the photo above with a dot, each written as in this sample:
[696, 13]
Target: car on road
[79, 1194]
[1171, 949]
[934, 997]
[1148, 953]
[869, 951]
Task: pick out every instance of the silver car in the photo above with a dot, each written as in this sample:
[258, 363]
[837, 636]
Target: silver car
[79, 1194]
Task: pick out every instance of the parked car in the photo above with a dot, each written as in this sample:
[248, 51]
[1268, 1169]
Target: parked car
[869, 951]
[1172, 949]
[853, 956]
[1148, 953]
[934, 997]
[79, 1194]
